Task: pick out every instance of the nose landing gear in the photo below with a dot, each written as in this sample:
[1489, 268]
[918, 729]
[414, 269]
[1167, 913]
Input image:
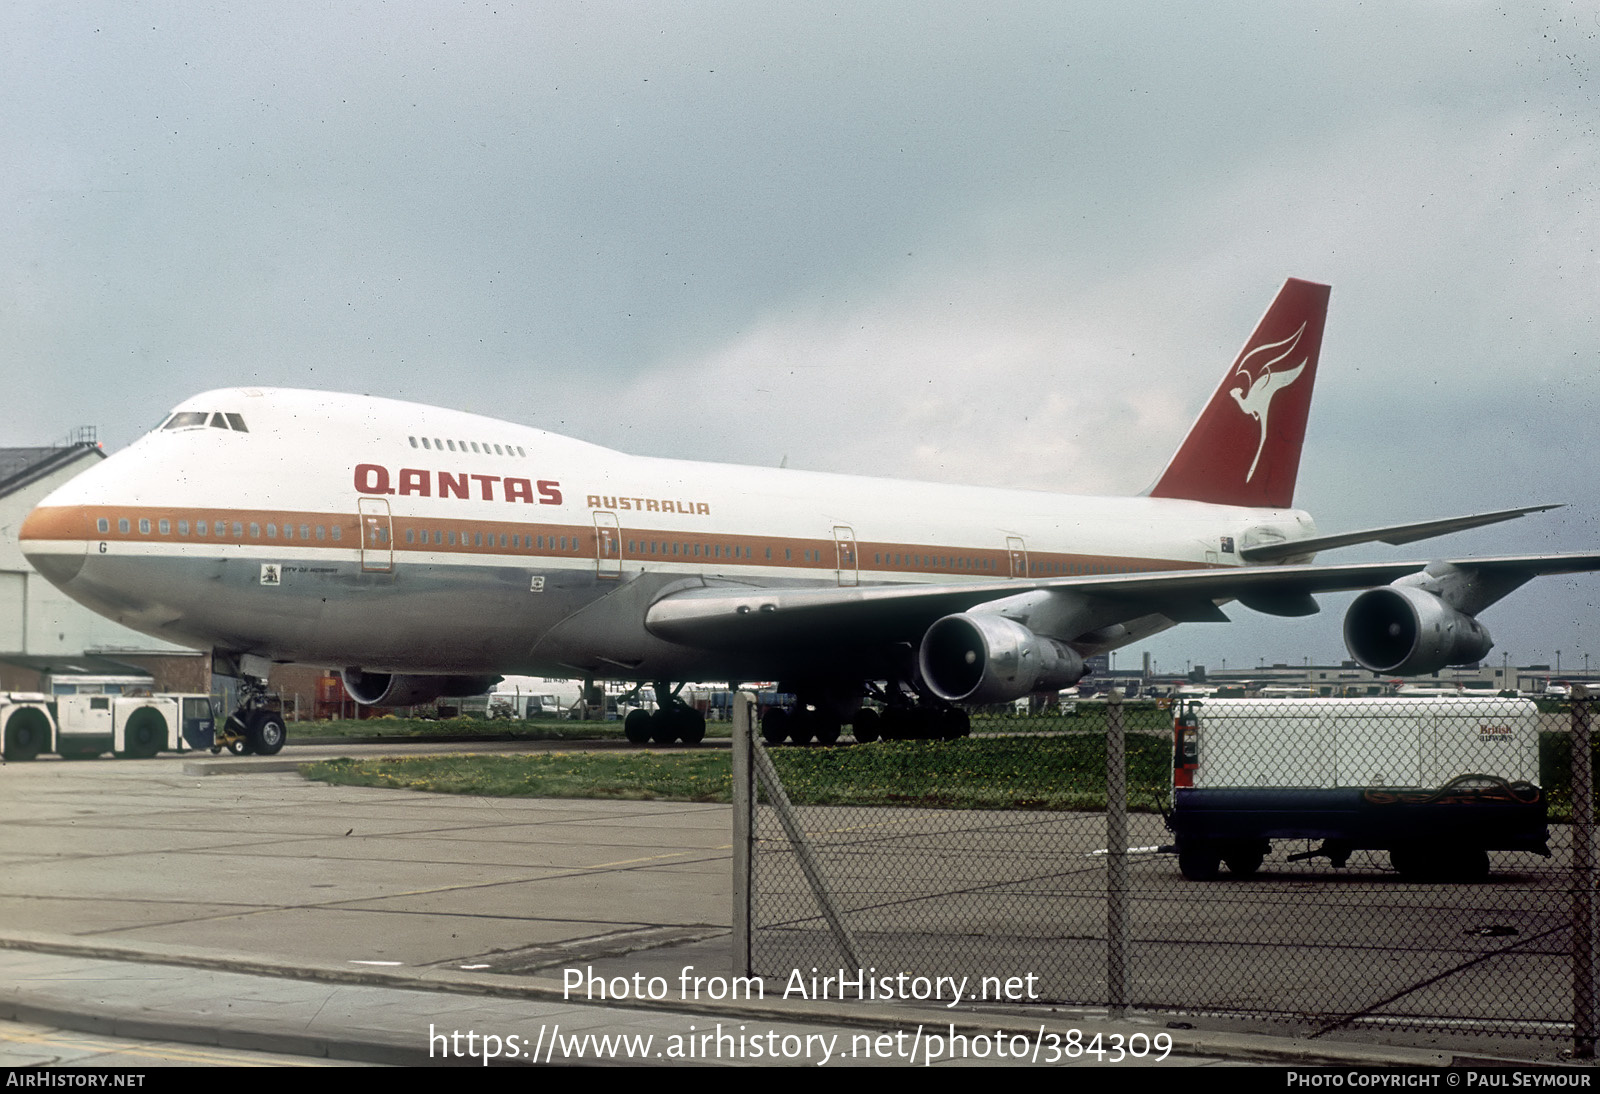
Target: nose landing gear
[256, 726]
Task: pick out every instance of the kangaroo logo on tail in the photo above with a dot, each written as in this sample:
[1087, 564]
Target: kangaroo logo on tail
[1256, 398]
[1228, 462]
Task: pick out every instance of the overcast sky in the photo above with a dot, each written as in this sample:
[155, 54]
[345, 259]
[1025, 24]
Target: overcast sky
[1010, 244]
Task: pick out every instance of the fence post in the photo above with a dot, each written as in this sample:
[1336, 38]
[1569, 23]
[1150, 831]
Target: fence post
[1583, 878]
[778, 800]
[744, 705]
[1116, 856]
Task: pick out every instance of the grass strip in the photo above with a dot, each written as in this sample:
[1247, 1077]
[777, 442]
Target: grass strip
[1058, 773]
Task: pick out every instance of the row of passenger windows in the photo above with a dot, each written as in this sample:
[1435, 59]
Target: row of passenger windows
[219, 528]
[934, 561]
[515, 540]
[195, 419]
[447, 444]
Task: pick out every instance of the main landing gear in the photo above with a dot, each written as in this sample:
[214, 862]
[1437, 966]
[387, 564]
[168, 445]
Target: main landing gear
[904, 716]
[256, 726]
[672, 720]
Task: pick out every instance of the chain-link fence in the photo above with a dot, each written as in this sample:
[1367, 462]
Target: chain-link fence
[1328, 863]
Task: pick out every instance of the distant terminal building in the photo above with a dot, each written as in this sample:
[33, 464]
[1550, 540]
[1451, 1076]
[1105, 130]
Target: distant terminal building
[1346, 679]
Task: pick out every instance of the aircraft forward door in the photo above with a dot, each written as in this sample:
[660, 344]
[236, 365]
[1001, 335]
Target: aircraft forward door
[377, 535]
[1019, 556]
[607, 547]
[844, 544]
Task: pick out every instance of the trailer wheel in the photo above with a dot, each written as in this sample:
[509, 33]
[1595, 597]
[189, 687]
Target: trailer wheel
[27, 733]
[267, 733]
[1408, 863]
[145, 735]
[1243, 861]
[1202, 863]
[1467, 865]
[1474, 864]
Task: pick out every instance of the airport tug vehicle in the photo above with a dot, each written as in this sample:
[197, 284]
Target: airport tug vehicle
[1437, 783]
[84, 726]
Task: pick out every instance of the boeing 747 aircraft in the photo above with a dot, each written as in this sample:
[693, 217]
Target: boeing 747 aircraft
[428, 552]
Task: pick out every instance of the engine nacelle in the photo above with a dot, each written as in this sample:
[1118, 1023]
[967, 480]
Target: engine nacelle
[394, 690]
[1403, 630]
[980, 658]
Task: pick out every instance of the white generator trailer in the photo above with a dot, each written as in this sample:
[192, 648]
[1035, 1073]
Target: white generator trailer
[1437, 783]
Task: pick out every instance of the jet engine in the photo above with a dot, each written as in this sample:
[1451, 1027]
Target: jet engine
[1404, 630]
[394, 690]
[979, 658]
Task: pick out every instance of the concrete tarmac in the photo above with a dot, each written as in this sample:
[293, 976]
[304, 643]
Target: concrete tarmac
[231, 902]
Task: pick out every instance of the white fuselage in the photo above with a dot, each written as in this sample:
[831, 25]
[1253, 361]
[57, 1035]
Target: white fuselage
[354, 531]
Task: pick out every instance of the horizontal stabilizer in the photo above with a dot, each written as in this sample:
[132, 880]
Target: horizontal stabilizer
[1394, 534]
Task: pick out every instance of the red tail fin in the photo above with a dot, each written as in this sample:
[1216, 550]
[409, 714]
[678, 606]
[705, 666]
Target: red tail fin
[1244, 449]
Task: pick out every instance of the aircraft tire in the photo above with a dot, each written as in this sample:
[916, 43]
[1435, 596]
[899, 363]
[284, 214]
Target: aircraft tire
[828, 729]
[663, 727]
[636, 726]
[866, 726]
[802, 726]
[953, 724]
[691, 725]
[266, 733]
[775, 725]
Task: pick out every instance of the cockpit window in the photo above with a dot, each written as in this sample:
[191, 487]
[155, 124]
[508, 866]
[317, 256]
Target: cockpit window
[186, 419]
[237, 421]
[218, 422]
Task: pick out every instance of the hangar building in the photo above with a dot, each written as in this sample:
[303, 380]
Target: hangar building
[50, 642]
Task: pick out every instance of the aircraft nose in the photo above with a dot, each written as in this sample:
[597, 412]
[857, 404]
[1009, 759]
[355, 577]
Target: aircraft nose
[54, 543]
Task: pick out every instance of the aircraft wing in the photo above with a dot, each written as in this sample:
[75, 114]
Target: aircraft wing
[1394, 534]
[734, 616]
